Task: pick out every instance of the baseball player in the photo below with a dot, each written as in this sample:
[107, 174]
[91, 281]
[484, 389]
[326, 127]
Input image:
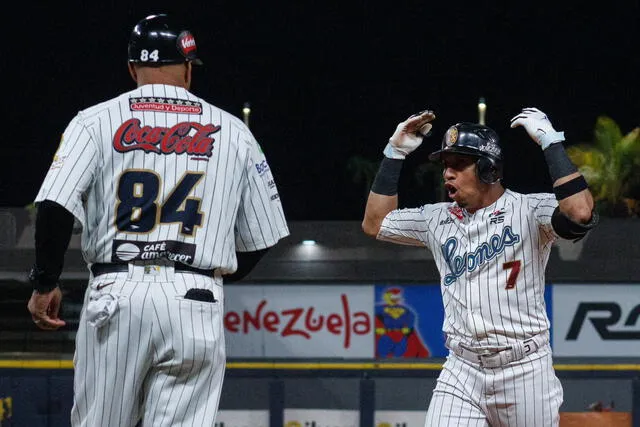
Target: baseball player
[491, 246]
[172, 194]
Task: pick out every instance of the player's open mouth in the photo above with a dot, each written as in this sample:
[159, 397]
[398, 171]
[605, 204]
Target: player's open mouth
[451, 190]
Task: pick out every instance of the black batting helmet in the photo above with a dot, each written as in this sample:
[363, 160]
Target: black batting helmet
[159, 40]
[474, 140]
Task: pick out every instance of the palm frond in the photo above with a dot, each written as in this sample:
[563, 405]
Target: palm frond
[611, 166]
[630, 145]
[606, 134]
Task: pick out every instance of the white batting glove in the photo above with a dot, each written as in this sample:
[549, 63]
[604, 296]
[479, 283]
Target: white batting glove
[538, 127]
[408, 135]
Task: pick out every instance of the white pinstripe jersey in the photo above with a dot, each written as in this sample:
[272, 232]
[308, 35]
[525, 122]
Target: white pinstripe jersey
[491, 263]
[160, 173]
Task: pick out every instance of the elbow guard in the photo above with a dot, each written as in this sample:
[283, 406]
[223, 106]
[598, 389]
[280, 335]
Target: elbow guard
[568, 229]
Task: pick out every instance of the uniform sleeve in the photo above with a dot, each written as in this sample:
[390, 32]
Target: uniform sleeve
[261, 221]
[543, 205]
[72, 170]
[406, 226]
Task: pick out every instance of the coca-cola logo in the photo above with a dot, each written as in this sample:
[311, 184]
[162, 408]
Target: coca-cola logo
[131, 135]
[300, 321]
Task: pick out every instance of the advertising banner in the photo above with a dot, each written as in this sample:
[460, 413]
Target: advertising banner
[242, 418]
[408, 322]
[321, 418]
[400, 418]
[337, 321]
[596, 320]
[299, 321]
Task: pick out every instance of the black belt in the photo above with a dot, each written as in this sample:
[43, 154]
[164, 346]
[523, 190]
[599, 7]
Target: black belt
[104, 268]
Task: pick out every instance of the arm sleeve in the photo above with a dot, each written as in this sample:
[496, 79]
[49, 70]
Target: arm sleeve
[54, 225]
[260, 222]
[72, 170]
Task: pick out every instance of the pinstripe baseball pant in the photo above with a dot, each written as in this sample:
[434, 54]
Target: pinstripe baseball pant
[145, 354]
[524, 393]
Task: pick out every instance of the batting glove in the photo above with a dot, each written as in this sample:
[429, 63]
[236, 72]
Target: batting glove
[408, 135]
[538, 127]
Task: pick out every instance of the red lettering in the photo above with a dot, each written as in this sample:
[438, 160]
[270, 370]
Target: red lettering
[347, 329]
[362, 325]
[175, 140]
[143, 134]
[271, 321]
[126, 138]
[231, 321]
[314, 325]
[183, 145]
[301, 321]
[202, 144]
[254, 321]
[173, 136]
[156, 134]
[334, 324]
[290, 329]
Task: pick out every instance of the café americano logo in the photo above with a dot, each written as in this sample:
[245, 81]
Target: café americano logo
[469, 261]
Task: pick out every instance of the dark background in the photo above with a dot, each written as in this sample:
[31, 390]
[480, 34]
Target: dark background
[330, 80]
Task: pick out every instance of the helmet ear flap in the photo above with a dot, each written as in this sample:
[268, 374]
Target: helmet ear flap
[488, 170]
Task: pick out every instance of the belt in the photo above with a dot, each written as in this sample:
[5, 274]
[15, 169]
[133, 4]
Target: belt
[494, 358]
[103, 268]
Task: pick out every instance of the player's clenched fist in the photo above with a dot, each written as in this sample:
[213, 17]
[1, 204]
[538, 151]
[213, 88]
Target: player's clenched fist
[408, 135]
[538, 126]
[44, 308]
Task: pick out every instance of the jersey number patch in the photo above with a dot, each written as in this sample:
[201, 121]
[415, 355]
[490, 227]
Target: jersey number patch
[145, 55]
[514, 266]
[138, 211]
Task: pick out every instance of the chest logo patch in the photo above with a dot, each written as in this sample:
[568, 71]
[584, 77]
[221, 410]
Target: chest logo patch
[484, 252]
[497, 217]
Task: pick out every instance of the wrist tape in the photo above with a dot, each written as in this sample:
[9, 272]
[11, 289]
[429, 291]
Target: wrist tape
[570, 188]
[550, 138]
[388, 176]
[558, 161]
[393, 152]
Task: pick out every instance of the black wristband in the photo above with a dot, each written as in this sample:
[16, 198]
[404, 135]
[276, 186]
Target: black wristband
[570, 188]
[388, 176]
[40, 281]
[558, 161]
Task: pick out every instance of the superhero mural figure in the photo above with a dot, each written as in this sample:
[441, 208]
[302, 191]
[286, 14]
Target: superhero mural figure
[396, 333]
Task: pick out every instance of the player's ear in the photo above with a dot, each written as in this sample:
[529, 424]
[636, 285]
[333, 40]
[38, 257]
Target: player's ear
[132, 72]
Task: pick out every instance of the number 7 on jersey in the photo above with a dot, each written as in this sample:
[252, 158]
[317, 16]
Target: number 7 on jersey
[514, 266]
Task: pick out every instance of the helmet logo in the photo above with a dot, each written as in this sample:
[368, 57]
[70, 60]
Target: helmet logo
[452, 136]
[186, 42]
[491, 148]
